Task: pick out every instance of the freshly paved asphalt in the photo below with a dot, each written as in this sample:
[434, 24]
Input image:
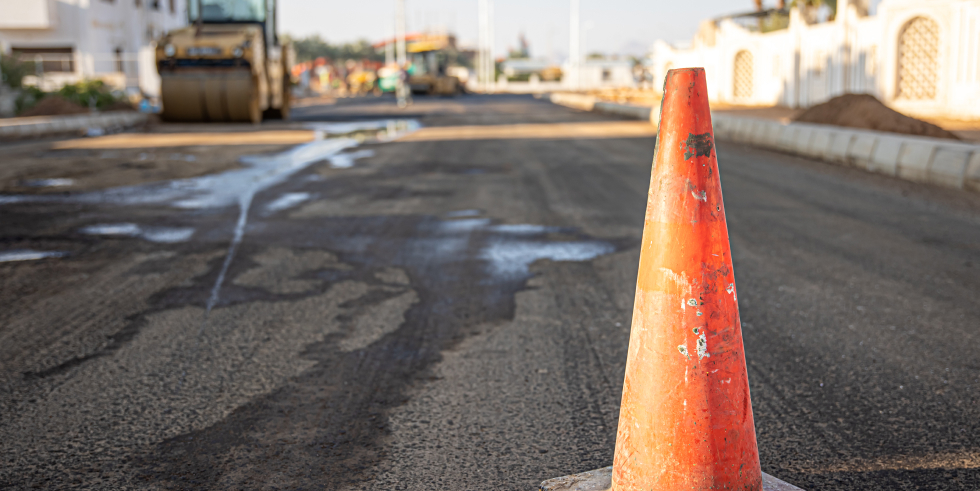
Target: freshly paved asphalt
[396, 330]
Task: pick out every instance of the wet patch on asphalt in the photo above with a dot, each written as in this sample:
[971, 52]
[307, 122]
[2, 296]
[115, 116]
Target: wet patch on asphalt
[439, 280]
[463, 276]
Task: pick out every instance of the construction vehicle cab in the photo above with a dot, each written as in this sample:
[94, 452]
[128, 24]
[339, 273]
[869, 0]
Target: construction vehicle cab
[228, 65]
[429, 64]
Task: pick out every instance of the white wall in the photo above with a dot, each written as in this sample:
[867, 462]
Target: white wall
[807, 64]
[620, 74]
[95, 29]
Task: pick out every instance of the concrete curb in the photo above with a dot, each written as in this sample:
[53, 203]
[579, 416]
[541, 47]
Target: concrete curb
[942, 162]
[601, 480]
[39, 126]
[584, 102]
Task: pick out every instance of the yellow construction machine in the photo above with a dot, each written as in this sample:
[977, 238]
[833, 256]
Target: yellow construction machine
[428, 73]
[228, 65]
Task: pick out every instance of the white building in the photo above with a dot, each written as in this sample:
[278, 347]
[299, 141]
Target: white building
[599, 73]
[109, 40]
[921, 57]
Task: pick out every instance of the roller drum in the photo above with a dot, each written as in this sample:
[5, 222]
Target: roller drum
[210, 96]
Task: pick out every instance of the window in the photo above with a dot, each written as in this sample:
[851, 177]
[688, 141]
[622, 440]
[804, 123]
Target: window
[742, 81]
[918, 57]
[227, 10]
[47, 59]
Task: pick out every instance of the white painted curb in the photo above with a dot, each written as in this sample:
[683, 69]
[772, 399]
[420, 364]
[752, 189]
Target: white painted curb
[38, 126]
[915, 158]
[584, 102]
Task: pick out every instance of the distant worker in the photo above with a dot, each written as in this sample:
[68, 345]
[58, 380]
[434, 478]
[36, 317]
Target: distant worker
[401, 90]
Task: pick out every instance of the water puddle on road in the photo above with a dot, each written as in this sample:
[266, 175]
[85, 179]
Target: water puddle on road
[463, 213]
[286, 201]
[165, 235]
[28, 255]
[346, 160]
[510, 257]
[54, 182]
[233, 187]
[238, 186]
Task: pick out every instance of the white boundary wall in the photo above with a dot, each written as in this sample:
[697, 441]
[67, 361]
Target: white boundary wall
[807, 64]
[95, 30]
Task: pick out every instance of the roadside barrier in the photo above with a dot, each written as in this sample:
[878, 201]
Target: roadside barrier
[936, 161]
[92, 124]
[686, 416]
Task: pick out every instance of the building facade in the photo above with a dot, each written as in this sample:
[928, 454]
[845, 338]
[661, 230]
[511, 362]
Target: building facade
[73, 40]
[598, 73]
[920, 57]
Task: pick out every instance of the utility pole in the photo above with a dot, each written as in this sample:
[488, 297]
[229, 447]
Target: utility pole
[574, 48]
[390, 50]
[481, 49]
[491, 67]
[401, 91]
[485, 65]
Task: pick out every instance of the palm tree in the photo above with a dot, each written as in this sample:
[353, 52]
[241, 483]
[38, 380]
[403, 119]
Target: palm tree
[810, 7]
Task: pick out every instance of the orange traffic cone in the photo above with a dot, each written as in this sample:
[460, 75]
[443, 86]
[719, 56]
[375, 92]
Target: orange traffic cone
[686, 418]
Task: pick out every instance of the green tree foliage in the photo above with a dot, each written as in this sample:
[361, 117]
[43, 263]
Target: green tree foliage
[813, 5]
[313, 47]
[88, 93]
[12, 71]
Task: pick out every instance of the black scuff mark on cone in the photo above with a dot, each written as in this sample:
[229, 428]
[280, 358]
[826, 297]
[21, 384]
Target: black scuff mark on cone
[698, 145]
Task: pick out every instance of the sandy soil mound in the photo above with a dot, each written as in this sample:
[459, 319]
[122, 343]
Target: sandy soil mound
[54, 105]
[864, 111]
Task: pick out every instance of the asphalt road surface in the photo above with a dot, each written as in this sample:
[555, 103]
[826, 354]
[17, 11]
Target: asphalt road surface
[451, 309]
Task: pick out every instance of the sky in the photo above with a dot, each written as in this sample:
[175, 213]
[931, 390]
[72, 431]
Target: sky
[609, 26]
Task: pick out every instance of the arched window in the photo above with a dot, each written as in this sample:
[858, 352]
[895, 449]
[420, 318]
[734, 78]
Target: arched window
[742, 79]
[918, 59]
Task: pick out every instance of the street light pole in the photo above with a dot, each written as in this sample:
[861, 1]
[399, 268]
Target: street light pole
[485, 69]
[574, 55]
[481, 52]
[490, 63]
[402, 58]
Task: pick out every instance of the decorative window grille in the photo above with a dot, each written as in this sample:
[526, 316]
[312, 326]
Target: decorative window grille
[743, 75]
[918, 59]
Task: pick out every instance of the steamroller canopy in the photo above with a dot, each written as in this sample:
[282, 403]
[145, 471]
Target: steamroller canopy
[228, 10]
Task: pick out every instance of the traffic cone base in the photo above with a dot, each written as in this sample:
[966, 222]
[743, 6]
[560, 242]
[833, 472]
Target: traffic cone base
[601, 480]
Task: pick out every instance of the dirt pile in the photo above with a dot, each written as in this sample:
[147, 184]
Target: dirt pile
[118, 106]
[54, 105]
[866, 112]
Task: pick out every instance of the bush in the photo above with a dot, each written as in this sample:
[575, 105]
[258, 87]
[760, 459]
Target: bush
[89, 93]
[86, 94]
[28, 97]
[13, 71]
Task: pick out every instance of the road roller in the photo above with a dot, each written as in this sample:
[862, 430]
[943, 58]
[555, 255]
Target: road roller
[227, 65]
